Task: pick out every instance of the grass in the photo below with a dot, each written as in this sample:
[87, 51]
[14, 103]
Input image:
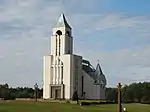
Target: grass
[31, 106]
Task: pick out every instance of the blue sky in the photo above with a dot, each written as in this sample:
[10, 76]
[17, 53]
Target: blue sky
[116, 32]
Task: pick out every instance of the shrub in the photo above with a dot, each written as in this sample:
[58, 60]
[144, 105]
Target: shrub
[75, 96]
[67, 101]
[127, 101]
[85, 103]
[145, 102]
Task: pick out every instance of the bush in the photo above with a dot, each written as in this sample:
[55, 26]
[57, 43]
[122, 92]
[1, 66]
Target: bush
[97, 103]
[127, 101]
[75, 96]
[85, 103]
[145, 102]
[67, 101]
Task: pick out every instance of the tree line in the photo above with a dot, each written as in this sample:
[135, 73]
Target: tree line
[135, 92]
[8, 93]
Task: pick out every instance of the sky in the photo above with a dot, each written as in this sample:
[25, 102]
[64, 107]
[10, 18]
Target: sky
[115, 32]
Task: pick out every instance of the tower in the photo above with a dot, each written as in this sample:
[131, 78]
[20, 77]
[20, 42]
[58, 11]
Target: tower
[61, 40]
[61, 67]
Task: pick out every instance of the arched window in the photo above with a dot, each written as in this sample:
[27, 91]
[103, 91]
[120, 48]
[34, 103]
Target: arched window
[68, 33]
[59, 33]
[58, 42]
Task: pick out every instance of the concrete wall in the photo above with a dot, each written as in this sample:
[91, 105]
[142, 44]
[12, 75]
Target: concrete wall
[46, 76]
[92, 91]
[70, 62]
[65, 40]
[66, 59]
[77, 68]
[72, 78]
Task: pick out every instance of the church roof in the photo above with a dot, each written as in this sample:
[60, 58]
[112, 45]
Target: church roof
[100, 77]
[97, 75]
[98, 69]
[62, 22]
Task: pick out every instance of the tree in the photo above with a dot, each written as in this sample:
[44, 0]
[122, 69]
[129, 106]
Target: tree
[75, 96]
[135, 92]
[111, 94]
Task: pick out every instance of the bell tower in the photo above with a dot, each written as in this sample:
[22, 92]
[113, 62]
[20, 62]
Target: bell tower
[61, 39]
[61, 68]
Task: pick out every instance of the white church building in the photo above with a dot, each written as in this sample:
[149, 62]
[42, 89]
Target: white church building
[65, 72]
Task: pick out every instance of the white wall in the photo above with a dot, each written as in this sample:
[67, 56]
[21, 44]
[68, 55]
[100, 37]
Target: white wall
[66, 41]
[69, 63]
[66, 59]
[46, 76]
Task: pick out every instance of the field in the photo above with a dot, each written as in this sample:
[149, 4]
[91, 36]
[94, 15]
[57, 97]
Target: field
[31, 106]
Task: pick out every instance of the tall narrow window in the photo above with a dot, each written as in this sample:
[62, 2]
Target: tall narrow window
[59, 45]
[82, 85]
[62, 75]
[59, 33]
[56, 45]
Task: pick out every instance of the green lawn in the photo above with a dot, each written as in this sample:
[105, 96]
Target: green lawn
[30, 106]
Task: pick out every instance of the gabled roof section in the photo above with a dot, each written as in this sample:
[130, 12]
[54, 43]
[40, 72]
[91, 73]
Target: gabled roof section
[98, 69]
[62, 22]
[97, 75]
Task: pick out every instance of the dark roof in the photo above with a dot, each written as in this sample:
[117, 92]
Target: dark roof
[98, 69]
[62, 22]
[97, 74]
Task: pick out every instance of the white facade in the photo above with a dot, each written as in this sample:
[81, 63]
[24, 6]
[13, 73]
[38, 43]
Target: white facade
[63, 72]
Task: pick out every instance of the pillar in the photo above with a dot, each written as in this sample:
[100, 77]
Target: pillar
[119, 98]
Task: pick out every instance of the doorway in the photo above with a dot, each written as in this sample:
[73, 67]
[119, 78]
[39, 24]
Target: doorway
[57, 93]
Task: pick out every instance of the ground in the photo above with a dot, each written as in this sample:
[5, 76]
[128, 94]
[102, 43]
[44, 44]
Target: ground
[32, 106]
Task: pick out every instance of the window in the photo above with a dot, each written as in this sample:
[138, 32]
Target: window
[59, 45]
[68, 51]
[56, 45]
[82, 85]
[68, 33]
[59, 33]
[58, 42]
[62, 76]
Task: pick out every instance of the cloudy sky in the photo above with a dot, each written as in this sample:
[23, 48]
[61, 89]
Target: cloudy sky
[115, 32]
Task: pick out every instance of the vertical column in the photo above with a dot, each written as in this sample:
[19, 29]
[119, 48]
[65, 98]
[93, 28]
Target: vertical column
[59, 75]
[54, 74]
[119, 98]
[60, 70]
[61, 46]
[62, 74]
[58, 45]
[51, 76]
[57, 78]
[62, 91]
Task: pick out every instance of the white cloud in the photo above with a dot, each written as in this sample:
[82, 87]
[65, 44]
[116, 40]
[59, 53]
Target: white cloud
[25, 41]
[112, 21]
[25, 30]
[124, 65]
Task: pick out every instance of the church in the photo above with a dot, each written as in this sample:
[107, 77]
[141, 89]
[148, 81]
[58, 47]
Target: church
[65, 72]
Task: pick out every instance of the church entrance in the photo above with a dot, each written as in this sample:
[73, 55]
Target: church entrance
[57, 93]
